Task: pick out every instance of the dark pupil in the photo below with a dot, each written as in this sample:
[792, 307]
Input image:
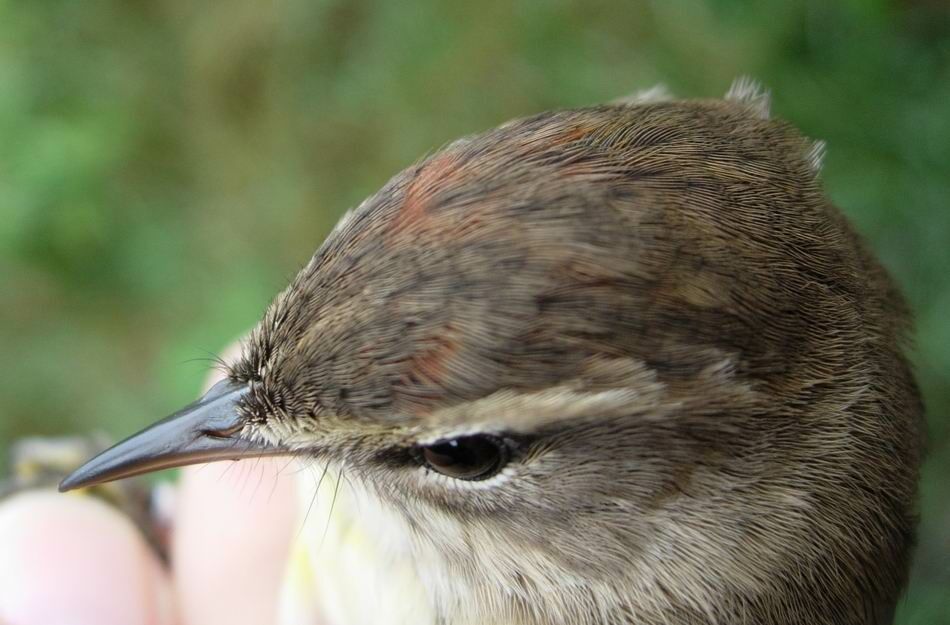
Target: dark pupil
[469, 458]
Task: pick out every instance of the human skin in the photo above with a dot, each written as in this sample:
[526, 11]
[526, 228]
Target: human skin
[74, 560]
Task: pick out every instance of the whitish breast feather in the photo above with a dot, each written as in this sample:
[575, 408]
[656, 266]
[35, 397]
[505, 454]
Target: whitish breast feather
[351, 562]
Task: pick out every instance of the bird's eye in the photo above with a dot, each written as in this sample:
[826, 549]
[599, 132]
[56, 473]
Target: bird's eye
[475, 457]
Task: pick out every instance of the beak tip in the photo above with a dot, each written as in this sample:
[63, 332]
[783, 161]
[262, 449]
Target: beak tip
[70, 482]
[187, 437]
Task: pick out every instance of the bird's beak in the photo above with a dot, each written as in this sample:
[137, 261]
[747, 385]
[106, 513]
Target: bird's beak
[204, 431]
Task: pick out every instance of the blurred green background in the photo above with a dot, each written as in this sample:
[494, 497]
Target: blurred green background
[166, 166]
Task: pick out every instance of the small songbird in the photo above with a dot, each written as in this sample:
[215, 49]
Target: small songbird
[618, 364]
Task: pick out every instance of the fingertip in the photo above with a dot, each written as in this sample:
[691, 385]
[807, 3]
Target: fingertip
[73, 559]
[233, 530]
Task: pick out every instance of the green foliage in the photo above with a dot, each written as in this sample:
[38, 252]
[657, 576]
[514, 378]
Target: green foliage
[166, 166]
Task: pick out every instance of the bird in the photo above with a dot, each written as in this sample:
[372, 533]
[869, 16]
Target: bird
[625, 363]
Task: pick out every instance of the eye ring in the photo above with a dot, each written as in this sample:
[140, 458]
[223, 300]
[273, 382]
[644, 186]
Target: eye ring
[473, 457]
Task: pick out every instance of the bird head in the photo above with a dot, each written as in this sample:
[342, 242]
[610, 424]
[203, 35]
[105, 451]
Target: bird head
[607, 365]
